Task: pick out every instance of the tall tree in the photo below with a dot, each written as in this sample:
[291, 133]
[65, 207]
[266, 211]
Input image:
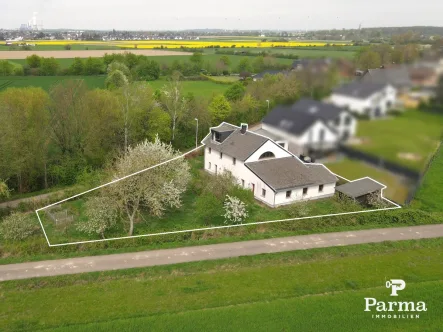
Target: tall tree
[220, 109]
[153, 190]
[174, 102]
[24, 127]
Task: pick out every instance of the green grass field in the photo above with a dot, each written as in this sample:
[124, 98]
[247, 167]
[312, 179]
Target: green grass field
[396, 190]
[321, 52]
[314, 290]
[205, 89]
[415, 133]
[74, 47]
[169, 59]
[430, 195]
[46, 82]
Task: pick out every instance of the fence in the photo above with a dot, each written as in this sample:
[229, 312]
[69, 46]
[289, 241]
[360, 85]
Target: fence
[59, 217]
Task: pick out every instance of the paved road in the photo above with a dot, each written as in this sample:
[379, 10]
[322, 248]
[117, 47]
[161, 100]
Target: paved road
[216, 251]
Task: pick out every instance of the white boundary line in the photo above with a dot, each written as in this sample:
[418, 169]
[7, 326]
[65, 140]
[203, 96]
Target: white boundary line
[206, 228]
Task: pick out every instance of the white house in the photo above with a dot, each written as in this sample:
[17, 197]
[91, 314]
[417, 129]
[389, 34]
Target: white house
[371, 99]
[308, 127]
[264, 166]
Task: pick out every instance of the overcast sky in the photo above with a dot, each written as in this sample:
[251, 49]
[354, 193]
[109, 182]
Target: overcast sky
[220, 14]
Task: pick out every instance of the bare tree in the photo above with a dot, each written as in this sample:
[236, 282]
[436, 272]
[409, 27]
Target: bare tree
[174, 102]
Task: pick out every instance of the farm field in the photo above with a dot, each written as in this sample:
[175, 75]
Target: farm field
[206, 89]
[259, 293]
[150, 44]
[429, 196]
[74, 47]
[46, 82]
[12, 55]
[409, 139]
[397, 190]
[308, 53]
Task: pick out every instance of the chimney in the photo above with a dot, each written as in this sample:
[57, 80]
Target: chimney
[244, 128]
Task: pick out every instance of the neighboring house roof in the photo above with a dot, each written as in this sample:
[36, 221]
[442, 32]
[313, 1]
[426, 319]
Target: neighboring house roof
[237, 145]
[290, 172]
[268, 134]
[396, 76]
[270, 72]
[360, 187]
[289, 120]
[359, 90]
[421, 73]
[303, 63]
[319, 109]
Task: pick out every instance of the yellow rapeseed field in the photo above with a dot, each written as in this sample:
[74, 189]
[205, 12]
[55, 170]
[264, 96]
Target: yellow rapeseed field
[150, 44]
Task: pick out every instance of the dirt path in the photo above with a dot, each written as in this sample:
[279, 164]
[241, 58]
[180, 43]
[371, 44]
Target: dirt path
[15, 203]
[216, 251]
[84, 54]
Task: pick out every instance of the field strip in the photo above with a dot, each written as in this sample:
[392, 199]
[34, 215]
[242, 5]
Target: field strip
[237, 305]
[13, 55]
[396, 206]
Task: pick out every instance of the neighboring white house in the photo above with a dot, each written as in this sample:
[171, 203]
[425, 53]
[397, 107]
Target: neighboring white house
[371, 99]
[308, 126]
[264, 166]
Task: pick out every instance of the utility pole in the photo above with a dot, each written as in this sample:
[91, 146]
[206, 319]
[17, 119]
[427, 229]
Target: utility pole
[196, 133]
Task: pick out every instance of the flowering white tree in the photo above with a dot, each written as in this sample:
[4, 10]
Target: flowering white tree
[155, 189]
[18, 226]
[101, 213]
[235, 210]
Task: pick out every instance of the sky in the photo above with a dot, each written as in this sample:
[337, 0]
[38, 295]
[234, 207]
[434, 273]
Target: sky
[220, 14]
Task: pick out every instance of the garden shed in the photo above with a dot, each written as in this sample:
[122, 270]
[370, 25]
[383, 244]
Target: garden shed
[361, 190]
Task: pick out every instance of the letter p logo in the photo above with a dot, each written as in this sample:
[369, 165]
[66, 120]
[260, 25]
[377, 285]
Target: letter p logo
[396, 285]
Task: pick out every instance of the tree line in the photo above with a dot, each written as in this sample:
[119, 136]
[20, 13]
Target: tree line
[60, 137]
[141, 67]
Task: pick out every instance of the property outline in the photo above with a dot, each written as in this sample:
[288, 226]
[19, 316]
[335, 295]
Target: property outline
[396, 206]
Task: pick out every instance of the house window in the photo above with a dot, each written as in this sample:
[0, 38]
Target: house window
[217, 137]
[234, 161]
[209, 166]
[305, 191]
[348, 120]
[209, 151]
[320, 188]
[243, 183]
[263, 192]
[215, 169]
[267, 155]
[288, 194]
[221, 155]
[337, 121]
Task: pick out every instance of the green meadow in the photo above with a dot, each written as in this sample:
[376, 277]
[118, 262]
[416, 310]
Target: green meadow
[310, 290]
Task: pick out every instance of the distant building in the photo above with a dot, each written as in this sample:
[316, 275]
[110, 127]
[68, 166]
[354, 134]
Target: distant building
[370, 99]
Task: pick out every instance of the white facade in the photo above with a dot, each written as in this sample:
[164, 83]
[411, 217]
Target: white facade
[217, 163]
[375, 105]
[345, 125]
[317, 135]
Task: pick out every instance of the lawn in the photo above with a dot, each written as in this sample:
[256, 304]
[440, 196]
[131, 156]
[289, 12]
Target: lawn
[205, 89]
[46, 82]
[321, 52]
[397, 188]
[408, 140]
[310, 290]
[430, 195]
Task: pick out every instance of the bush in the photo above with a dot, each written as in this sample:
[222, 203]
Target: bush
[17, 227]
[18, 71]
[208, 208]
